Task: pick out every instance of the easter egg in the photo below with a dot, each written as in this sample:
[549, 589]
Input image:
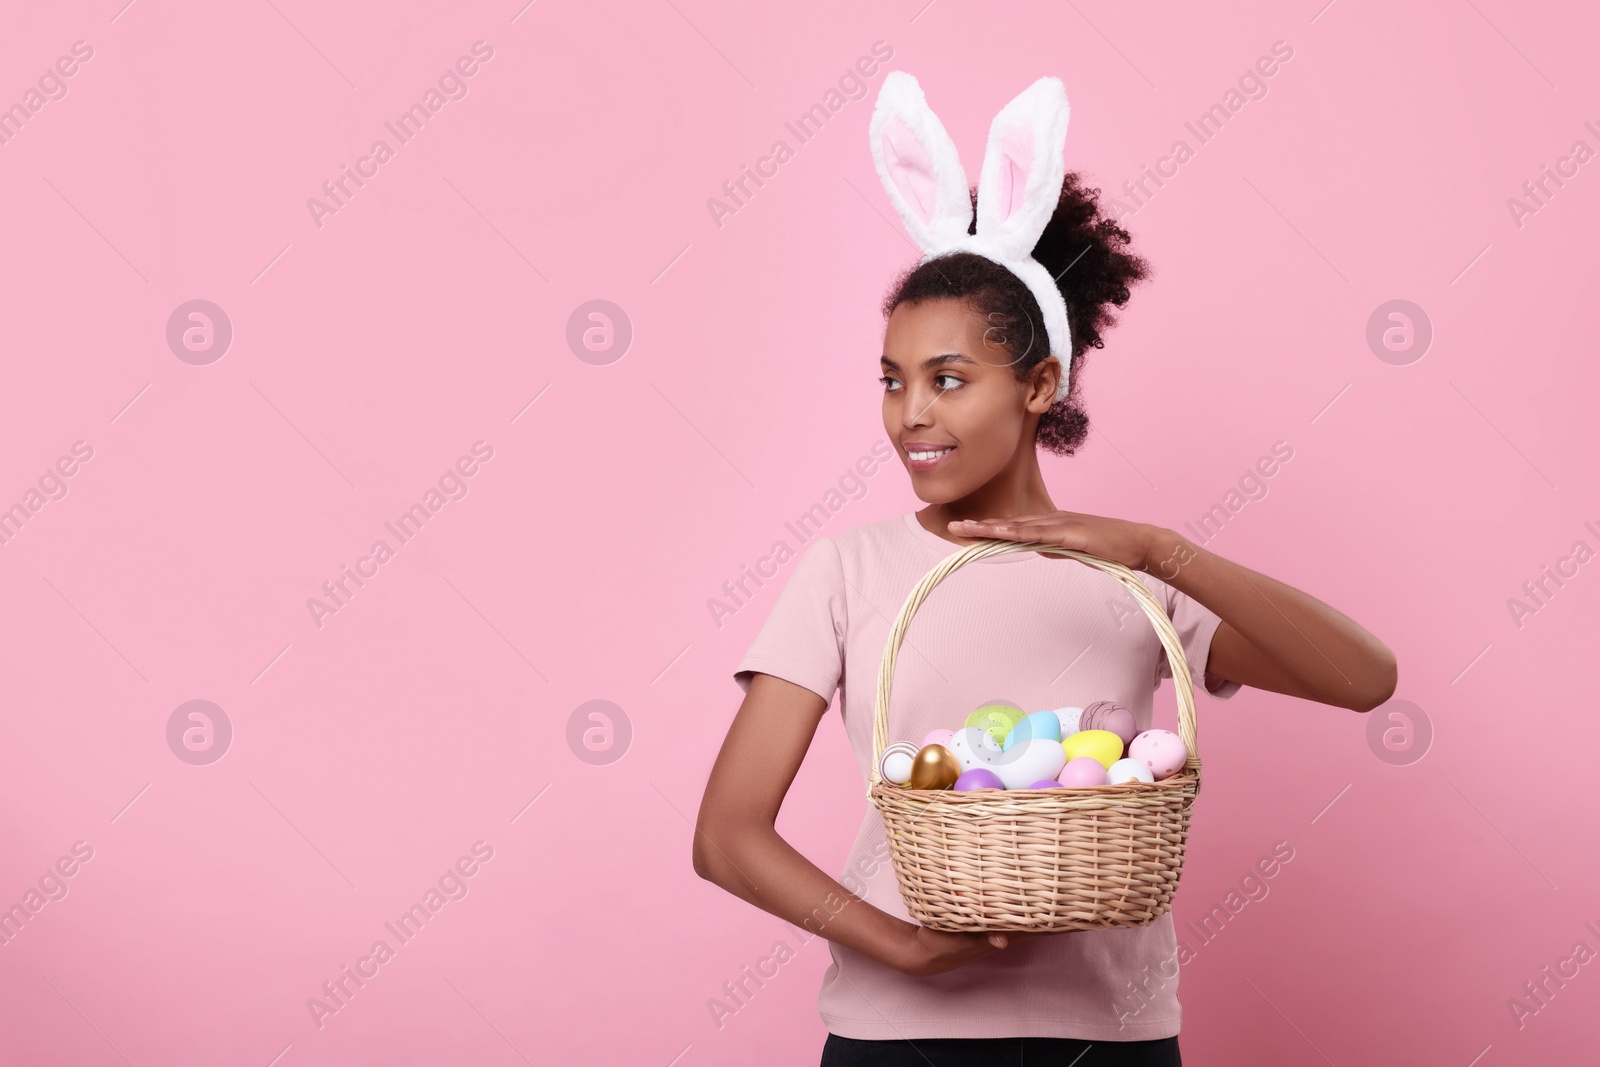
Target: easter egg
[1103, 745]
[974, 747]
[1046, 783]
[895, 764]
[1160, 750]
[998, 719]
[939, 737]
[978, 778]
[1038, 724]
[1070, 720]
[1109, 715]
[935, 767]
[1129, 770]
[1083, 771]
[1029, 761]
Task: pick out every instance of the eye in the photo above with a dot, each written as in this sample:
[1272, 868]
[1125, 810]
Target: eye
[889, 383]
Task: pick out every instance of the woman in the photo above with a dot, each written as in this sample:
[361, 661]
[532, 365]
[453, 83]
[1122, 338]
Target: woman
[970, 397]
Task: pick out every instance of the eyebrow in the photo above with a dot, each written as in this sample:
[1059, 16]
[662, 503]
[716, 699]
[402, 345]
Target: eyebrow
[936, 361]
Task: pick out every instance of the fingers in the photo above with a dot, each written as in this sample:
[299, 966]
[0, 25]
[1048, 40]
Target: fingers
[1016, 519]
[1008, 528]
[1011, 937]
[1011, 520]
[1066, 534]
[996, 529]
[1048, 521]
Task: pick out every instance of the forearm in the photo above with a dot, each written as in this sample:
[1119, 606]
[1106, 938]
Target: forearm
[1327, 655]
[753, 862]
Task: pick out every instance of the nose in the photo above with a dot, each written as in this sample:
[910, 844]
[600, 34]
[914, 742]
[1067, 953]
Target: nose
[917, 406]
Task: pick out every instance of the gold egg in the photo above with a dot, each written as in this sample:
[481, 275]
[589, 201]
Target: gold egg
[935, 767]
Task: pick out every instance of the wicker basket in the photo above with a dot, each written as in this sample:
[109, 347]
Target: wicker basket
[1037, 859]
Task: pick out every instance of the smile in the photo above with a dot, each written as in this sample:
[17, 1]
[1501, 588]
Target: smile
[927, 460]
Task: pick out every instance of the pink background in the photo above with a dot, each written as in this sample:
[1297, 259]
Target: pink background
[370, 753]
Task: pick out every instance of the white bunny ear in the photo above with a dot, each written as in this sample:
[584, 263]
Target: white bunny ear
[1020, 183]
[919, 166]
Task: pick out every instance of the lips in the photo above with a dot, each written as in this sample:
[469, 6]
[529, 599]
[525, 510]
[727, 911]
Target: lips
[925, 455]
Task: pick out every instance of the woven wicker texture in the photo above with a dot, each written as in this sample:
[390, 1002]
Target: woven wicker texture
[1037, 859]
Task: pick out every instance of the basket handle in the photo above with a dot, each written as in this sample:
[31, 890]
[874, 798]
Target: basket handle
[990, 547]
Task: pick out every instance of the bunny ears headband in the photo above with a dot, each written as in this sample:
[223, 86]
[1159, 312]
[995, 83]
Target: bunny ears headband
[1018, 188]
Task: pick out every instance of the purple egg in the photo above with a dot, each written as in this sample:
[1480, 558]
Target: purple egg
[1046, 783]
[1084, 771]
[978, 778]
[1109, 715]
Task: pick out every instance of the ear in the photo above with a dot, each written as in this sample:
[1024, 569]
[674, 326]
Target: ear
[918, 165]
[1049, 378]
[1020, 183]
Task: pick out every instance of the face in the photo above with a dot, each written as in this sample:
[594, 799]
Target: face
[952, 403]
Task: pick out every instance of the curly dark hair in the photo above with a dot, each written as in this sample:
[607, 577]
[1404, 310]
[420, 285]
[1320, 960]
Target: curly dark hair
[1087, 254]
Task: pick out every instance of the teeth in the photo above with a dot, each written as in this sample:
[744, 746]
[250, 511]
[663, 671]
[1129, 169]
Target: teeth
[920, 456]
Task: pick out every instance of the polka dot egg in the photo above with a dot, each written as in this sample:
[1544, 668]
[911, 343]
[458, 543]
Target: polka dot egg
[1161, 750]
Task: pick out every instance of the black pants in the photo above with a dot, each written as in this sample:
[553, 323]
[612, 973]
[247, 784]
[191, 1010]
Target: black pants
[999, 1052]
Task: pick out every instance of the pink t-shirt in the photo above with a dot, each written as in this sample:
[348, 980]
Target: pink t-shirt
[1036, 631]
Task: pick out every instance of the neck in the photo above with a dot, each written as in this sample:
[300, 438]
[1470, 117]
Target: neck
[1019, 489]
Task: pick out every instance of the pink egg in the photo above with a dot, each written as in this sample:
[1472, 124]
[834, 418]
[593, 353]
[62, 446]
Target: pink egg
[1084, 771]
[1109, 715]
[1161, 750]
[978, 778]
[938, 737]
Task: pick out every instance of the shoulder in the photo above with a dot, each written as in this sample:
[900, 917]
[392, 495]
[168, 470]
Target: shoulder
[871, 547]
[855, 555]
[870, 537]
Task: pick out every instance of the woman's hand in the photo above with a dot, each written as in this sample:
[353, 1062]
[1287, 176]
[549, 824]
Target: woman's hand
[1118, 540]
[935, 951]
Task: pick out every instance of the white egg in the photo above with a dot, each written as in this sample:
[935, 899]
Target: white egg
[975, 747]
[1129, 770]
[1069, 720]
[1029, 761]
[895, 766]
